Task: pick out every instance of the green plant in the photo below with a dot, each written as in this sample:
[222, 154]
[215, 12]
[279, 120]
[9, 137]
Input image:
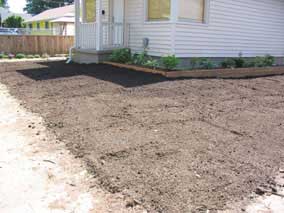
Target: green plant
[151, 63]
[269, 60]
[14, 22]
[121, 55]
[206, 63]
[170, 62]
[240, 62]
[140, 59]
[36, 56]
[194, 63]
[45, 55]
[30, 56]
[1, 55]
[228, 63]
[20, 56]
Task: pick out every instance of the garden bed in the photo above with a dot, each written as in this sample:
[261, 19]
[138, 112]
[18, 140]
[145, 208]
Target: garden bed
[212, 73]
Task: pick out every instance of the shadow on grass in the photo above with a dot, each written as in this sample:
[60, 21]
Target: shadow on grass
[124, 77]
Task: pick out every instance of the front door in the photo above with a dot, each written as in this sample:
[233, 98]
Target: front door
[117, 22]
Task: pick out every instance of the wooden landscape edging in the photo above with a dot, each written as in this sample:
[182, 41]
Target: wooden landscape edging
[213, 73]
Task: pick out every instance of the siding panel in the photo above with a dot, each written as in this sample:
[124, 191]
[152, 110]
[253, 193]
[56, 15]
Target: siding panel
[158, 33]
[253, 27]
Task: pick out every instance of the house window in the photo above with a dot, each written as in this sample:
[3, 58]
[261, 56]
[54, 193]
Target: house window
[31, 26]
[46, 25]
[159, 10]
[90, 11]
[192, 10]
[38, 25]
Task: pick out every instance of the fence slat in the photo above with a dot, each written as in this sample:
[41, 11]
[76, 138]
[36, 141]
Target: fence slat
[35, 44]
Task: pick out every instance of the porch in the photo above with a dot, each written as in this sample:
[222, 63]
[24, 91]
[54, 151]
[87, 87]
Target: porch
[100, 26]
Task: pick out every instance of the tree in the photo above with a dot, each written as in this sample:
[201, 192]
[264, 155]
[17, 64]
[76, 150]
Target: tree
[37, 6]
[3, 3]
[14, 22]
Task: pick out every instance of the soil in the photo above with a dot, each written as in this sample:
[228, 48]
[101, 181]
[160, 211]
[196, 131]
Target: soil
[172, 145]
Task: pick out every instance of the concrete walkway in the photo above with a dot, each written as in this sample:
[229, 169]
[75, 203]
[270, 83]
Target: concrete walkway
[37, 173]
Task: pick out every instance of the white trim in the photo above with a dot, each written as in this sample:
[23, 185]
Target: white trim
[77, 23]
[99, 24]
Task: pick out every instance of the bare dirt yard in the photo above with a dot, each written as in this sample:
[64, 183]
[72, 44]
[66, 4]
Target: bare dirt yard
[183, 145]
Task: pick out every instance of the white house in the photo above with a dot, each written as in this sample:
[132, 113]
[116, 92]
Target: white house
[186, 28]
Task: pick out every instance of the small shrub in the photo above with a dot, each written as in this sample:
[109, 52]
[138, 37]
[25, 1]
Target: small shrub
[37, 56]
[269, 60]
[240, 62]
[45, 55]
[140, 59]
[228, 63]
[151, 63]
[121, 56]
[1, 55]
[206, 63]
[170, 62]
[20, 56]
[30, 56]
[194, 63]
[266, 61]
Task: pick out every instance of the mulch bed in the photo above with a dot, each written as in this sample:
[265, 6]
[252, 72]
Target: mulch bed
[212, 73]
[183, 145]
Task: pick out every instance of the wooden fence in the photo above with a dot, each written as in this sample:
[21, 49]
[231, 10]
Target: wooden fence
[35, 44]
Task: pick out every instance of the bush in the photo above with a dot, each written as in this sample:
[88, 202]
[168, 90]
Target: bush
[1, 55]
[140, 59]
[206, 63]
[228, 63]
[20, 56]
[45, 55]
[201, 63]
[121, 56]
[37, 56]
[170, 62]
[194, 63]
[151, 63]
[240, 62]
[269, 60]
[30, 56]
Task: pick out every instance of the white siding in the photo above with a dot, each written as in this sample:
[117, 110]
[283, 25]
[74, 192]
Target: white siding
[253, 27]
[158, 33]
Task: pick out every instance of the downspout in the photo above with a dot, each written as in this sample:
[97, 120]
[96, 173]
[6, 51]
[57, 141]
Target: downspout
[77, 22]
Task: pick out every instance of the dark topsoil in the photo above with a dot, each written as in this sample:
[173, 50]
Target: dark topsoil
[175, 146]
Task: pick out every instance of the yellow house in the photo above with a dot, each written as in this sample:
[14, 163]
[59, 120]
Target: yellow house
[57, 21]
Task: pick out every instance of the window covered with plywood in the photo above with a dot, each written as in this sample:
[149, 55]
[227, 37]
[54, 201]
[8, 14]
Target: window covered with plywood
[90, 10]
[192, 10]
[159, 10]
